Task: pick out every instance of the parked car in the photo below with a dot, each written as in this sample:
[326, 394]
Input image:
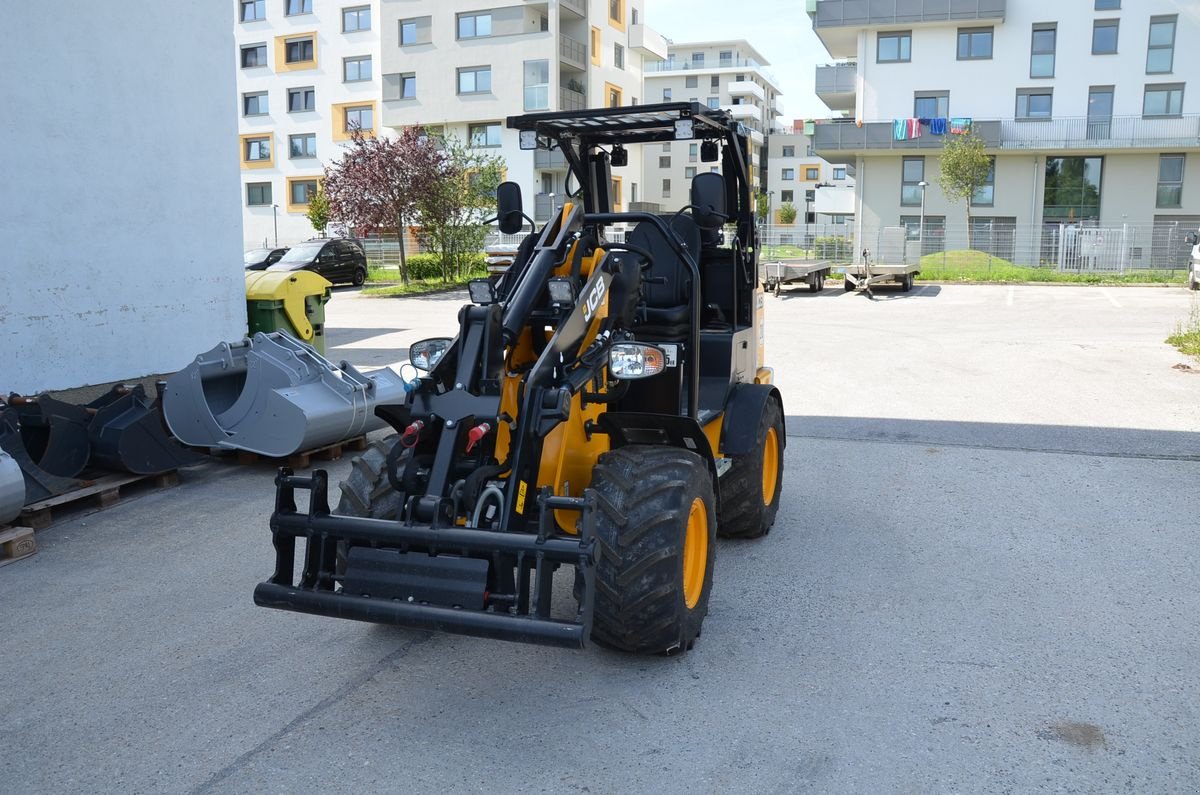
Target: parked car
[338, 260]
[260, 259]
[1193, 239]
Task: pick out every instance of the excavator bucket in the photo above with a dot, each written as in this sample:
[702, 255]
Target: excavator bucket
[273, 395]
[39, 484]
[12, 488]
[127, 434]
[55, 434]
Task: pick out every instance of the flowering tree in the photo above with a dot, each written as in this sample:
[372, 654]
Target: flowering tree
[455, 205]
[378, 181]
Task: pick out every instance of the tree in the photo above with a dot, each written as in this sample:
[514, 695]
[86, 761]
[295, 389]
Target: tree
[376, 184]
[966, 168]
[318, 211]
[455, 204]
[787, 213]
[762, 206]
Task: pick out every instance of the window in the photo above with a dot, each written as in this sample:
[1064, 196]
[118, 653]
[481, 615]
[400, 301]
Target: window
[475, 80]
[691, 82]
[788, 174]
[1160, 52]
[1108, 5]
[473, 26]
[398, 86]
[484, 135]
[612, 95]
[408, 31]
[253, 10]
[894, 47]
[302, 145]
[360, 117]
[667, 147]
[912, 174]
[693, 152]
[1041, 58]
[255, 104]
[301, 190]
[254, 55]
[1034, 103]
[715, 82]
[974, 44]
[689, 172]
[726, 57]
[1163, 99]
[1072, 188]
[537, 85]
[258, 194]
[301, 99]
[1104, 36]
[664, 161]
[785, 196]
[298, 50]
[356, 69]
[931, 104]
[934, 236]
[812, 174]
[697, 59]
[299, 7]
[595, 42]
[666, 188]
[1170, 181]
[839, 173]
[417, 30]
[618, 56]
[258, 149]
[666, 95]
[714, 103]
[788, 151]
[616, 11]
[985, 195]
[357, 18]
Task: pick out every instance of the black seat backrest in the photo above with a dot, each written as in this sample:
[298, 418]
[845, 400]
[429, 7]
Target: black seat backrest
[708, 206]
[668, 281]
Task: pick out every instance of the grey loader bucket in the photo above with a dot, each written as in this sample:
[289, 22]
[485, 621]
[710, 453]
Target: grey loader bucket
[12, 488]
[273, 395]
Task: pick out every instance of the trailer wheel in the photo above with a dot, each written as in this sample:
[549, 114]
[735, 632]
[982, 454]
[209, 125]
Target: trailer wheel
[906, 283]
[367, 492]
[750, 489]
[775, 289]
[655, 529]
[815, 284]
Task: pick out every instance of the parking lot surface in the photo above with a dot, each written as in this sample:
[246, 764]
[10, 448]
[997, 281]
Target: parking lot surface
[983, 578]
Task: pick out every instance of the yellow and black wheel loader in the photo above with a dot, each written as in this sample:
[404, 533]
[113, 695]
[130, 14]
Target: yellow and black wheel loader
[604, 406]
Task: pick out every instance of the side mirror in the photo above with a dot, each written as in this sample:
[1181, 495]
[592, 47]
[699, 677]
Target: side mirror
[509, 212]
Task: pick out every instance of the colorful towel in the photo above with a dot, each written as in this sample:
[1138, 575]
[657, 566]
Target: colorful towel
[900, 129]
[914, 128]
[960, 126]
[937, 126]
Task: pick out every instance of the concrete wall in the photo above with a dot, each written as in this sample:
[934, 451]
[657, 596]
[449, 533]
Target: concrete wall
[122, 252]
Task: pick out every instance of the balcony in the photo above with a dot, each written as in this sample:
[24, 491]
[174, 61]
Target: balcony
[709, 65]
[575, 6]
[743, 111]
[549, 160]
[647, 42]
[837, 85]
[572, 52]
[841, 142]
[837, 21]
[571, 100]
[747, 88]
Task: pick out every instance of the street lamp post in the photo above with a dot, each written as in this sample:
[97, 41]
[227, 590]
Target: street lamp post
[275, 220]
[921, 231]
[770, 211]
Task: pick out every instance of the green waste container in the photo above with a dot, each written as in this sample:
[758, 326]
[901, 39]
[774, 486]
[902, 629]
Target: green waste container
[291, 301]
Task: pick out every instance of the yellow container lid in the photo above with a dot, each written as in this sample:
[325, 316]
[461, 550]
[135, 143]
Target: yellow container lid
[291, 287]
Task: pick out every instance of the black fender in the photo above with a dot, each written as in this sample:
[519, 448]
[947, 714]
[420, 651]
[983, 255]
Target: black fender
[743, 409]
[629, 427]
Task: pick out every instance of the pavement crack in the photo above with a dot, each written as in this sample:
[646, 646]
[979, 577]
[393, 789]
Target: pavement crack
[333, 698]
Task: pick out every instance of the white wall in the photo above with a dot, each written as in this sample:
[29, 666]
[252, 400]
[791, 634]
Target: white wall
[122, 244]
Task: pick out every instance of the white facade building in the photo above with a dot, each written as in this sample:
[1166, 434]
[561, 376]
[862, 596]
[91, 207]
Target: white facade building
[822, 192]
[122, 240]
[461, 69]
[1084, 104]
[308, 72]
[727, 74]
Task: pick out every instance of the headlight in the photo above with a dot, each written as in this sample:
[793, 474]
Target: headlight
[425, 355]
[629, 360]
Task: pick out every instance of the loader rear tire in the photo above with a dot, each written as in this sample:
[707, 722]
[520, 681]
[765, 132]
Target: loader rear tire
[367, 492]
[655, 533]
[750, 489]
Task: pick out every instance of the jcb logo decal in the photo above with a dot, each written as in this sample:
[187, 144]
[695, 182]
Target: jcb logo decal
[592, 303]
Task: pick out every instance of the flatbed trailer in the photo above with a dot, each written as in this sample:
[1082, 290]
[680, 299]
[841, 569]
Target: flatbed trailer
[865, 275]
[777, 273]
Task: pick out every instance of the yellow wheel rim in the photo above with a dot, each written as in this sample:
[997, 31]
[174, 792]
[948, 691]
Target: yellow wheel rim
[695, 553]
[770, 469]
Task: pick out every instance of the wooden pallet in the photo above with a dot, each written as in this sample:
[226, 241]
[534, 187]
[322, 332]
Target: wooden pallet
[16, 543]
[99, 493]
[300, 460]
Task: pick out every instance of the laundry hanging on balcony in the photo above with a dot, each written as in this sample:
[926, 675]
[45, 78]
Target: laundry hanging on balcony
[905, 129]
[937, 126]
[960, 126]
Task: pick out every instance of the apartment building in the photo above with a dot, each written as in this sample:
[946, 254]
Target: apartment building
[730, 75]
[822, 192]
[1085, 106]
[460, 69]
[308, 75]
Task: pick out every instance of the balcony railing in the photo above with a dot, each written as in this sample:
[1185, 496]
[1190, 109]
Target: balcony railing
[571, 100]
[572, 51]
[837, 78]
[849, 137]
[671, 65]
[537, 97]
[575, 5]
[861, 13]
[550, 160]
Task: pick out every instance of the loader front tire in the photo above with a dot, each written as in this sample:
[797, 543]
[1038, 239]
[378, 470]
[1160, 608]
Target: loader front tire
[367, 492]
[655, 533]
[750, 489]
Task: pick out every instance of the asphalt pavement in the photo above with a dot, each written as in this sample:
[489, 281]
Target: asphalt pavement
[983, 578]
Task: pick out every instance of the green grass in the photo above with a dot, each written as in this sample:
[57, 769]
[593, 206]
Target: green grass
[421, 286]
[977, 266]
[1187, 333]
[785, 252]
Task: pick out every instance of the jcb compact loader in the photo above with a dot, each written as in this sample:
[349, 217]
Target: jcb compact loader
[604, 406]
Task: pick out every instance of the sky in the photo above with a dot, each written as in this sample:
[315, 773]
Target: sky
[780, 29]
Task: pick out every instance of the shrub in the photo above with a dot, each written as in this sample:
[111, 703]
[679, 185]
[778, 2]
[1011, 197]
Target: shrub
[832, 247]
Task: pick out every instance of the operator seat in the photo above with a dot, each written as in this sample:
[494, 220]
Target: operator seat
[665, 311]
[708, 207]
